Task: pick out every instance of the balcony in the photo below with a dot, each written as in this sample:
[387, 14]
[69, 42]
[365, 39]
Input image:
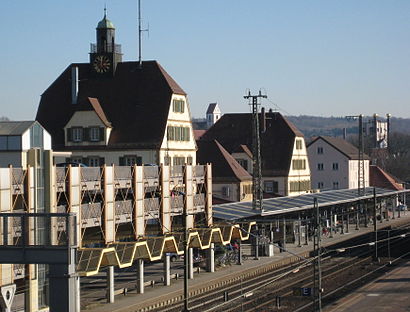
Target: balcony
[108, 48]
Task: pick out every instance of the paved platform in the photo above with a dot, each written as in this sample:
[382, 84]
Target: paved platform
[389, 293]
[205, 281]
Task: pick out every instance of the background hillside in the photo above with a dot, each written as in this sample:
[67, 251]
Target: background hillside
[333, 126]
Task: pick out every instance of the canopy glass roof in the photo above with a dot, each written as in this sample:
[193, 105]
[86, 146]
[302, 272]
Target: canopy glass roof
[271, 206]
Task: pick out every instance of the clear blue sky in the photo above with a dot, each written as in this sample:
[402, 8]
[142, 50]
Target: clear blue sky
[312, 57]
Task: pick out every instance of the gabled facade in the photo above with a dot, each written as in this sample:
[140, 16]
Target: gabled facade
[335, 164]
[114, 112]
[285, 166]
[230, 181]
[244, 157]
[17, 137]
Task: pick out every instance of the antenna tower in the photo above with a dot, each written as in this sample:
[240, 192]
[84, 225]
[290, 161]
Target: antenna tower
[256, 150]
[140, 30]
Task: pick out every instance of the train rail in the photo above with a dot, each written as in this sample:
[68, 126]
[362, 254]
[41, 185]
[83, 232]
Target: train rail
[260, 293]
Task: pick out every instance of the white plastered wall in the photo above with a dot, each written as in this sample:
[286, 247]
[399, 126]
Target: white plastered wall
[302, 174]
[179, 148]
[86, 119]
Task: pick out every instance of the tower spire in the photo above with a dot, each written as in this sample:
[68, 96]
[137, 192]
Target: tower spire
[105, 10]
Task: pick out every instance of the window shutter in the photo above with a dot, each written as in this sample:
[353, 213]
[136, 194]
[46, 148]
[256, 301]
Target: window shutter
[87, 134]
[69, 135]
[102, 134]
[102, 161]
[122, 161]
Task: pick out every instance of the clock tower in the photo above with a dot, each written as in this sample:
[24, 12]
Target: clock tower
[105, 54]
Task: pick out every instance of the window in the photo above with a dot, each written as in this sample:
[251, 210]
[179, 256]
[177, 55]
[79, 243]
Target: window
[319, 185]
[178, 106]
[10, 142]
[94, 134]
[130, 160]
[77, 134]
[247, 189]
[225, 191]
[298, 164]
[243, 163]
[77, 160]
[298, 144]
[36, 136]
[299, 186]
[189, 160]
[167, 160]
[271, 187]
[335, 185]
[320, 150]
[320, 166]
[335, 166]
[179, 161]
[94, 161]
[178, 133]
[3, 143]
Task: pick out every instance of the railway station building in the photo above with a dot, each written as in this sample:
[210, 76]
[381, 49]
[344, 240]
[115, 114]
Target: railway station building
[108, 111]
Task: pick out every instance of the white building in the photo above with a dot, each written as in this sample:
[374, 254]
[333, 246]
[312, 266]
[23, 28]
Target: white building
[17, 137]
[335, 164]
[213, 114]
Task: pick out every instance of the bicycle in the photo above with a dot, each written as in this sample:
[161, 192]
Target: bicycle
[325, 232]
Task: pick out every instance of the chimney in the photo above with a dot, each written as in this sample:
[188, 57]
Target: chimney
[74, 85]
[344, 133]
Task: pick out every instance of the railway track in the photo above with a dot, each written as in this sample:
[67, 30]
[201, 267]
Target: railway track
[260, 293]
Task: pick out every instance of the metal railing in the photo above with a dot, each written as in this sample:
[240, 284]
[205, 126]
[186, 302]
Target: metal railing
[37, 229]
[108, 47]
[91, 211]
[90, 174]
[177, 171]
[199, 200]
[199, 171]
[123, 172]
[151, 172]
[151, 205]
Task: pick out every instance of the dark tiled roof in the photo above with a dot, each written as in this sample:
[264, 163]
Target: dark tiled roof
[342, 146]
[243, 149]
[380, 178]
[277, 142]
[211, 108]
[135, 100]
[14, 127]
[94, 105]
[224, 166]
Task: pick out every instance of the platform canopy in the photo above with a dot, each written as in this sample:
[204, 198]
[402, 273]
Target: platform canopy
[280, 205]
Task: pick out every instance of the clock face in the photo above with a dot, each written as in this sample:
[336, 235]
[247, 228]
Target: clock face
[101, 64]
